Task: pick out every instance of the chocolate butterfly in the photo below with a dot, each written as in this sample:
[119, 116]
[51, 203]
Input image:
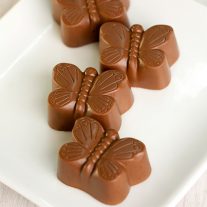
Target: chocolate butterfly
[144, 55]
[80, 20]
[76, 94]
[99, 162]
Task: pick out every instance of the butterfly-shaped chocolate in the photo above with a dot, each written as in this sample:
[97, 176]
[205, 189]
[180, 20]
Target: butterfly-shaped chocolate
[99, 162]
[80, 20]
[76, 94]
[146, 56]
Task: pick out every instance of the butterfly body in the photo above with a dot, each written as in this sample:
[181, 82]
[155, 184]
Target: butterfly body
[80, 20]
[145, 56]
[103, 145]
[76, 94]
[100, 163]
[93, 13]
[87, 83]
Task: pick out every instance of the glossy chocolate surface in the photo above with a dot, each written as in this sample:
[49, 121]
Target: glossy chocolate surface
[75, 94]
[100, 163]
[80, 20]
[145, 56]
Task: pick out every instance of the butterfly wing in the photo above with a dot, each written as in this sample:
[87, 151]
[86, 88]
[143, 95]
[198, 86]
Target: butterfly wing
[115, 34]
[112, 162]
[110, 9]
[87, 132]
[68, 2]
[101, 104]
[152, 58]
[114, 42]
[155, 36]
[66, 83]
[109, 169]
[73, 14]
[153, 62]
[124, 149]
[112, 55]
[67, 76]
[73, 151]
[152, 39]
[107, 82]
[61, 97]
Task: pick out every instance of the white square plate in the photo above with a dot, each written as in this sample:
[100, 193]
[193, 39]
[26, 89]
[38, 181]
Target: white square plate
[171, 122]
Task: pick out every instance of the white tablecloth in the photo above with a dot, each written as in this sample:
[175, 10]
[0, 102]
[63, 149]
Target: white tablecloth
[196, 197]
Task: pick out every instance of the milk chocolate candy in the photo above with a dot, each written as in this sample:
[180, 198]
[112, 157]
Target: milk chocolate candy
[80, 20]
[75, 94]
[100, 163]
[146, 56]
